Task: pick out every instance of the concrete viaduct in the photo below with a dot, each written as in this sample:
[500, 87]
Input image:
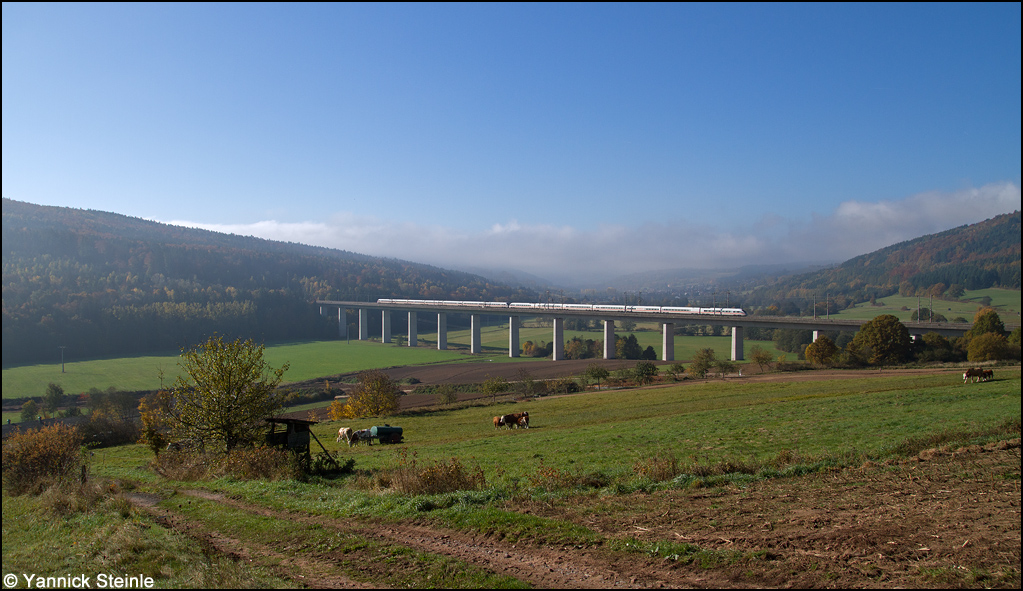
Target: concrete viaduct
[667, 321]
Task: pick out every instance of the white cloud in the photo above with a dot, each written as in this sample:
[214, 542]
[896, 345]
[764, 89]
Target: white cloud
[568, 253]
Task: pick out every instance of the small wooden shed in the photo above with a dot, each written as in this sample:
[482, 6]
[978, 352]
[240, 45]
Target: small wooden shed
[295, 435]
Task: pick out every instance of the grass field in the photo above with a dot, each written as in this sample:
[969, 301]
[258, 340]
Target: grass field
[311, 360]
[1005, 301]
[308, 360]
[707, 421]
[598, 437]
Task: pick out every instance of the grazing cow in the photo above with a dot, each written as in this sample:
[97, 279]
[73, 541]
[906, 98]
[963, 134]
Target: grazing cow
[989, 374]
[498, 421]
[518, 420]
[361, 435]
[974, 372]
[344, 433]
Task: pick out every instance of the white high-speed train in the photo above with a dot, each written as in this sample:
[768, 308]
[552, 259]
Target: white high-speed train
[593, 307]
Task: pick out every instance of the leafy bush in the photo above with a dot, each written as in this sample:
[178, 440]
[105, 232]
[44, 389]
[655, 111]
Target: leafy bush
[34, 460]
[446, 394]
[376, 395]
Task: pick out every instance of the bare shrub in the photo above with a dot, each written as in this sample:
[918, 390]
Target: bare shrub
[413, 479]
[186, 465]
[61, 500]
[261, 463]
[35, 460]
[246, 463]
[551, 479]
[107, 428]
[659, 468]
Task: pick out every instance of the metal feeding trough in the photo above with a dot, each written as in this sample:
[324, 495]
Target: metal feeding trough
[386, 434]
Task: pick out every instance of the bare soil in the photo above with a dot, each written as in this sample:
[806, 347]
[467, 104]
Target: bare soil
[944, 518]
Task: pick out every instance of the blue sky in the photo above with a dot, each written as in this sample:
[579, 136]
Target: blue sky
[563, 140]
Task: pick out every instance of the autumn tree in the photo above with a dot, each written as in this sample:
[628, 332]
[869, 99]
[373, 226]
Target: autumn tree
[492, 386]
[822, 351]
[985, 321]
[225, 392]
[725, 367]
[881, 341]
[597, 372]
[628, 347]
[52, 400]
[375, 395]
[645, 372]
[936, 348]
[675, 371]
[702, 362]
[987, 347]
[29, 411]
[761, 357]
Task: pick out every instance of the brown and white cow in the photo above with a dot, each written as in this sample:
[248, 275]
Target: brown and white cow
[988, 374]
[344, 433]
[361, 435]
[974, 372]
[518, 420]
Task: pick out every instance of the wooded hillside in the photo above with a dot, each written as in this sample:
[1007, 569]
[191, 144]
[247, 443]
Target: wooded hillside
[977, 256]
[107, 284]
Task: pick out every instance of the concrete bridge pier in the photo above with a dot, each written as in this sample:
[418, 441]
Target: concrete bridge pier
[559, 339]
[816, 335]
[413, 329]
[442, 331]
[342, 321]
[609, 339]
[514, 322]
[475, 344]
[363, 324]
[667, 341]
[737, 343]
[385, 326]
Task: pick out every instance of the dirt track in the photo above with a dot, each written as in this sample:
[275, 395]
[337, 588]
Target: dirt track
[945, 518]
[941, 519]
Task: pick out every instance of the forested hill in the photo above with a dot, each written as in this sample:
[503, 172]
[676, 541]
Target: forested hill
[107, 284]
[976, 256]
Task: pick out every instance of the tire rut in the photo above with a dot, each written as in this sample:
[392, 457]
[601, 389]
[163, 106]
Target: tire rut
[546, 567]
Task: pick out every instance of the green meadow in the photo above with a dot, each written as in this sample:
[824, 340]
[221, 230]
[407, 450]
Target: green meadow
[708, 421]
[316, 359]
[588, 444]
[704, 422]
[1005, 301]
[307, 361]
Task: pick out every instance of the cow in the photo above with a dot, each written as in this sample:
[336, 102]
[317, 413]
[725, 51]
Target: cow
[974, 372]
[988, 374]
[361, 435]
[344, 433]
[518, 420]
[498, 421]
